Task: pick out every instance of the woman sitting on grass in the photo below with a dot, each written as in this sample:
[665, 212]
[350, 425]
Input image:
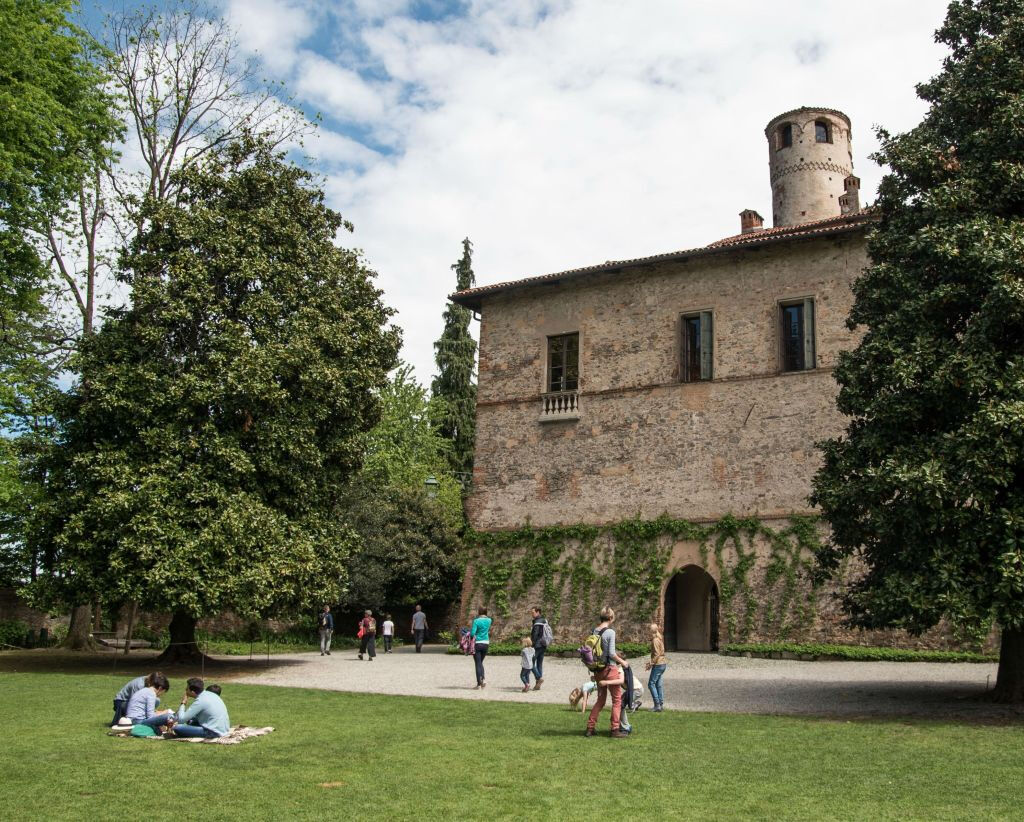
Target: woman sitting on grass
[142, 707]
[208, 716]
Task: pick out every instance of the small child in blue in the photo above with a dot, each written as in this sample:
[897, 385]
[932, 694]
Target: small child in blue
[528, 656]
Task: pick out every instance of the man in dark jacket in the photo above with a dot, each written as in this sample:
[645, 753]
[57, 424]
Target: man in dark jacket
[326, 625]
[539, 646]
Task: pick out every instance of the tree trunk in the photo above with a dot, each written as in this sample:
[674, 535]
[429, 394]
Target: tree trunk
[78, 638]
[183, 647]
[97, 617]
[1010, 679]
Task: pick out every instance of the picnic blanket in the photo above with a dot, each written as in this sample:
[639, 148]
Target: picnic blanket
[237, 734]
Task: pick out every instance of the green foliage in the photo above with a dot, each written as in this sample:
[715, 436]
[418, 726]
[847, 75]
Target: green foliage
[57, 119]
[12, 634]
[403, 449]
[207, 445]
[454, 389]
[407, 549]
[860, 653]
[581, 566]
[925, 487]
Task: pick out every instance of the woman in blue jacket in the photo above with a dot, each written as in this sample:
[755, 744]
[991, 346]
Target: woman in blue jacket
[481, 631]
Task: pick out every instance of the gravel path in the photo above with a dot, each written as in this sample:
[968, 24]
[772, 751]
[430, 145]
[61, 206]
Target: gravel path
[693, 682]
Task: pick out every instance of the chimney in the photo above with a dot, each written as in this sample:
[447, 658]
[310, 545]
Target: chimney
[750, 220]
[849, 202]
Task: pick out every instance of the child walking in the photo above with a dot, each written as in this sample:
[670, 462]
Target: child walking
[389, 633]
[528, 655]
[656, 666]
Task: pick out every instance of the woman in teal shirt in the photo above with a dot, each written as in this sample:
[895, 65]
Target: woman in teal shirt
[481, 631]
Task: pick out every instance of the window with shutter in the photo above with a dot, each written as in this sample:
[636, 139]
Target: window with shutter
[697, 347]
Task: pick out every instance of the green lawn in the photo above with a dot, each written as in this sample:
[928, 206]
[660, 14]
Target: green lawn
[362, 756]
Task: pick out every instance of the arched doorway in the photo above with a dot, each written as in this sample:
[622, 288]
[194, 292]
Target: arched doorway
[691, 611]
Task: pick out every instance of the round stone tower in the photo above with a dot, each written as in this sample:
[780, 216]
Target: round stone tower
[809, 157]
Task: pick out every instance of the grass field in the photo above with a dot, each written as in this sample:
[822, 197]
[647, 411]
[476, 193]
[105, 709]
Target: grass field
[362, 756]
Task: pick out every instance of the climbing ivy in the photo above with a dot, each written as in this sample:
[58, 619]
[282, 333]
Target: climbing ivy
[580, 565]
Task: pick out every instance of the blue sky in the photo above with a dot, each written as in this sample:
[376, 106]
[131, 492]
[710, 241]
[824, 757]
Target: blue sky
[561, 133]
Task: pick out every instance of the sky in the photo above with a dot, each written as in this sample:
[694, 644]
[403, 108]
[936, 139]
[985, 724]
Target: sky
[562, 133]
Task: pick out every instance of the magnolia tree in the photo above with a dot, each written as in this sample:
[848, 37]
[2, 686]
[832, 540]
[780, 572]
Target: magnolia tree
[210, 435]
[926, 487]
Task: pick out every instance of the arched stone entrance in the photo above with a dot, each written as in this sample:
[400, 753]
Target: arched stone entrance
[691, 611]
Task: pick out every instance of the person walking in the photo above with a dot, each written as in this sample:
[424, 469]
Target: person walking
[368, 641]
[609, 678]
[656, 666]
[540, 636]
[419, 627]
[527, 656]
[481, 631]
[326, 623]
[389, 632]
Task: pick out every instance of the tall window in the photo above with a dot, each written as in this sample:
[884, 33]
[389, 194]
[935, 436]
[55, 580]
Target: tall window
[564, 362]
[784, 136]
[697, 348]
[822, 133]
[797, 337]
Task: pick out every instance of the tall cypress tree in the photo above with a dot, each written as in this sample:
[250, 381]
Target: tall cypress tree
[454, 387]
[926, 487]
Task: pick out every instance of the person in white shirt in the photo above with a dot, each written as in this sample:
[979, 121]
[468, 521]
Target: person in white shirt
[389, 633]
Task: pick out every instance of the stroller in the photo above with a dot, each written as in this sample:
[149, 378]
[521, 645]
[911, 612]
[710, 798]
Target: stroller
[632, 699]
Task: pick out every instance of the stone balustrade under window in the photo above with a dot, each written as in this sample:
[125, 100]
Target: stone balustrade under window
[560, 405]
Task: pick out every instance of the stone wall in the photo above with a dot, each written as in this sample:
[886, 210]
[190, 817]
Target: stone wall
[646, 443]
[758, 603]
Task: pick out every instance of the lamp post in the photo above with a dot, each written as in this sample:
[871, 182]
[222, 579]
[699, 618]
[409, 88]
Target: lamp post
[431, 483]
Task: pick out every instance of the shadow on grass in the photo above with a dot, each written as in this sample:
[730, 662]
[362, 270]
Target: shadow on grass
[59, 660]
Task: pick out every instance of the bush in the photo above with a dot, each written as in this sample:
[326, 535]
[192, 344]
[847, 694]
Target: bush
[860, 653]
[12, 632]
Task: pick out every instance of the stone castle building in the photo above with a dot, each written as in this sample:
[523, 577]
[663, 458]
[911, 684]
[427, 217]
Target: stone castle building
[690, 385]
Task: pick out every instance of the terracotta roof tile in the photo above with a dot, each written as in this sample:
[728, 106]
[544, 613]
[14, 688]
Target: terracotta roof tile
[472, 297]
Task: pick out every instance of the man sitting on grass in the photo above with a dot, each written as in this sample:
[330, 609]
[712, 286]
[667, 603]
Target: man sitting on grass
[208, 716]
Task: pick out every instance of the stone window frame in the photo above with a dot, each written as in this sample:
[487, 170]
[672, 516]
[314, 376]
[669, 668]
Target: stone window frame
[828, 131]
[782, 130]
[707, 359]
[810, 340]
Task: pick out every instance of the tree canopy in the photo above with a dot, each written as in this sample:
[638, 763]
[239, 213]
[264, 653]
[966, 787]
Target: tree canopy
[209, 438]
[454, 388]
[926, 487]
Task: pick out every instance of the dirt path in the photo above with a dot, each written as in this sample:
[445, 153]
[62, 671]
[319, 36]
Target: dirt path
[693, 682]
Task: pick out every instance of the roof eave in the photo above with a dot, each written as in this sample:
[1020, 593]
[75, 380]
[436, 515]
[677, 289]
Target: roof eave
[474, 298]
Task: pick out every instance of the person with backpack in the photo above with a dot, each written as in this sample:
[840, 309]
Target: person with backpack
[481, 632]
[368, 640]
[541, 636]
[608, 677]
[326, 625]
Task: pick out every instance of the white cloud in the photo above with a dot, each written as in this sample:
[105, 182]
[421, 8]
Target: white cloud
[559, 134]
[271, 28]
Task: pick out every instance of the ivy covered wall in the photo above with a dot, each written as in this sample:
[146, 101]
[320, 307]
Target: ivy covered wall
[766, 590]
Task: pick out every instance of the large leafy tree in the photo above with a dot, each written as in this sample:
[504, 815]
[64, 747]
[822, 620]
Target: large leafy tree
[215, 422]
[408, 550]
[58, 122]
[454, 387]
[408, 545]
[926, 487]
